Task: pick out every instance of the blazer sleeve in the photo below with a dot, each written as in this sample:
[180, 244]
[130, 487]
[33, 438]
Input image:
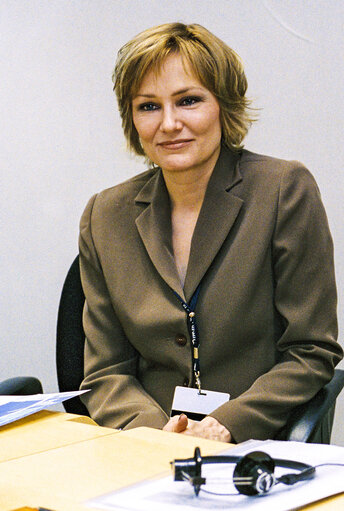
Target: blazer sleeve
[305, 301]
[116, 398]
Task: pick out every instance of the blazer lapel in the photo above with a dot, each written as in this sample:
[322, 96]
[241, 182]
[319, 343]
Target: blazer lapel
[154, 226]
[219, 211]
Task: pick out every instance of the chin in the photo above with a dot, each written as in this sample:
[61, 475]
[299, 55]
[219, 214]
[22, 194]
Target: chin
[176, 164]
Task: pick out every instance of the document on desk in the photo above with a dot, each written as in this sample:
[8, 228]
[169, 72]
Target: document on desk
[170, 495]
[13, 408]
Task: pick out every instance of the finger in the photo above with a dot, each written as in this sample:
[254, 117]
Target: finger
[170, 425]
[210, 429]
[181, 424]
[176, 424]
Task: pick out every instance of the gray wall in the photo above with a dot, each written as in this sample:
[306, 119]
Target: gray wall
[61, 139]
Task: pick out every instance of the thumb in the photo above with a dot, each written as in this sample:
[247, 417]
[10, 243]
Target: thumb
[182, 424]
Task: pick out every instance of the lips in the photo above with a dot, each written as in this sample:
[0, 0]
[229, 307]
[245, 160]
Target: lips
[175, 144]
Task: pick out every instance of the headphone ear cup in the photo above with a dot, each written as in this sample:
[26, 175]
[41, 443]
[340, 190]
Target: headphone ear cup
[253, 473]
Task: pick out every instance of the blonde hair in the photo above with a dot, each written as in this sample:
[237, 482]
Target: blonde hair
[216, 66]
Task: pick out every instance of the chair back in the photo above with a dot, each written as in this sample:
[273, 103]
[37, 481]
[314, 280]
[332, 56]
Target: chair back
[70, 339]
[312, 422]
[20, 386]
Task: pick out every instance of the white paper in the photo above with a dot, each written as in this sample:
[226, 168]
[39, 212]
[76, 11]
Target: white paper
[13, 408]
[170, 495]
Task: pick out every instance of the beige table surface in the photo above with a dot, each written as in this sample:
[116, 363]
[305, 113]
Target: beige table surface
[58, 461]
[45, 430]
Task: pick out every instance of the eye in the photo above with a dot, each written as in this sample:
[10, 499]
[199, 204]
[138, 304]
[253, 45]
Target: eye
[190, 100]
[147, 107]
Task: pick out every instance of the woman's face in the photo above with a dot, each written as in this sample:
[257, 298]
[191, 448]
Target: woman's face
[177, 119]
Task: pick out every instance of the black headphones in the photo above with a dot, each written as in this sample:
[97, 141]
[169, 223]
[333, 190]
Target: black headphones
[253, 474]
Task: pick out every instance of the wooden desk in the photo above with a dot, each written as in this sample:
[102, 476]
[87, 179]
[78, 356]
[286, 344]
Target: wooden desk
[79, 461]
[46, 430]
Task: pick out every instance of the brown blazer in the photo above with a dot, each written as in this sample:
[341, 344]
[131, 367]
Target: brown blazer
[266, 310]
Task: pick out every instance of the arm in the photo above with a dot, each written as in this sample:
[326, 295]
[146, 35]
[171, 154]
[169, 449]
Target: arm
[305, 302]
[116, 399]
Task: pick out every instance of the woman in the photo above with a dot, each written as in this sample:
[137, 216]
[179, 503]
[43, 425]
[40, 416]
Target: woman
[213, 233]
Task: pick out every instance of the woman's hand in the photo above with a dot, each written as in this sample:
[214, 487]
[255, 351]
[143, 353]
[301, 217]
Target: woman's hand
[208, 427]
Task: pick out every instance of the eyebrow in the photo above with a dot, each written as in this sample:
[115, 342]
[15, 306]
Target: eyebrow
[177, 93]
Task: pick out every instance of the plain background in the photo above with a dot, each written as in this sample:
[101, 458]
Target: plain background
[61, 139]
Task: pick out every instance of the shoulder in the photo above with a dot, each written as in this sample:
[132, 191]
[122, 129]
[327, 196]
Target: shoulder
[120, 195]
[126, 191]
[116, 204]
[269, 165]
[274, 172]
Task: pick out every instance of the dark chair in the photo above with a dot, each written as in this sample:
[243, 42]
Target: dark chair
[20, 386]
[311, 422]
[70, 339]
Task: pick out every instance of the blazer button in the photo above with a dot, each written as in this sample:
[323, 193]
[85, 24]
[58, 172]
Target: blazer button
[180, 339]
[186, 382]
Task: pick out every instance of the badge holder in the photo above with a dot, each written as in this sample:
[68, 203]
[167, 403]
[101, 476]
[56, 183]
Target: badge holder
[195, 403]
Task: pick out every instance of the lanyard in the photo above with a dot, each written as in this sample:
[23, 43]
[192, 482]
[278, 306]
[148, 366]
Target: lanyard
[192, 326]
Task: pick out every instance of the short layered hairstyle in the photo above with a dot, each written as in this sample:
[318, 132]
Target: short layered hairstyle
[213, 62]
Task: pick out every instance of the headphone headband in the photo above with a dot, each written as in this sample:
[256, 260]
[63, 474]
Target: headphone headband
[294, 465]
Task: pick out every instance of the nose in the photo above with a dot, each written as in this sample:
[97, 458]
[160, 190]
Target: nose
[170, 120]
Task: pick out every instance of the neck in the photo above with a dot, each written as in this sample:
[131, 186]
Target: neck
[185, 189]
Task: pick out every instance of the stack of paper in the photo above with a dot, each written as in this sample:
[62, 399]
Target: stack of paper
[13, 408]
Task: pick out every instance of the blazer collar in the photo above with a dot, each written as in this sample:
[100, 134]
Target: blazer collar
[218, 213]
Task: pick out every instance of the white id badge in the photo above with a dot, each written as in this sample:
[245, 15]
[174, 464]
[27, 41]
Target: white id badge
[196, 405]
